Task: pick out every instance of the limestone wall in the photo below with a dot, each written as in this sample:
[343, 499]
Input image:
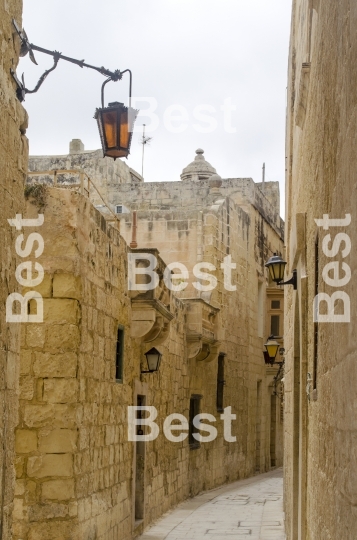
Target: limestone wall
[73, 464]
[105, 172]
[206, 228]
[13, 169]
[76, 471]
[78, 476]
[320, 449]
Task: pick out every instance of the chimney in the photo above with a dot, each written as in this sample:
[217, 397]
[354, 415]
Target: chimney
[76, 146]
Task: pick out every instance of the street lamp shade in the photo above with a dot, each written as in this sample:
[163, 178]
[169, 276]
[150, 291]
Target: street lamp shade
[272, 347]
[115, 124]
[153, 358]
[276, 266]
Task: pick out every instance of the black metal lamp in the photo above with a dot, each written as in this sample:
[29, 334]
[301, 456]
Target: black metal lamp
[115, 122]
[153, 358]
[272, 347]
[276, 266]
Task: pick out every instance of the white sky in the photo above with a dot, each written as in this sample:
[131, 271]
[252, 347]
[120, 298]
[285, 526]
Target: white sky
[185, 52]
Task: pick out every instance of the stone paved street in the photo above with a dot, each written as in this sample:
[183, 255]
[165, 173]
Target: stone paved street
[250, 509]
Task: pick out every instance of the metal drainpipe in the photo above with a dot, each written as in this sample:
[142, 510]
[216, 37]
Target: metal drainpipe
[133, 243]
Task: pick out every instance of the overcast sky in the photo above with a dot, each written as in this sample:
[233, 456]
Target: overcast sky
[196, 55]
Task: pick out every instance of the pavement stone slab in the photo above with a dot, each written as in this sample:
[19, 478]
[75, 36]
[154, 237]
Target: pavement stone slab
[249, 509]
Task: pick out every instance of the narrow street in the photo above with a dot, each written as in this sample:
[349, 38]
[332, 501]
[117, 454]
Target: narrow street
[249, 509]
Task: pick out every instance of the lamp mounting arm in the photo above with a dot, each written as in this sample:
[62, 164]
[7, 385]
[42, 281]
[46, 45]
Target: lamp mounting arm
[27, 47]
[292, 281]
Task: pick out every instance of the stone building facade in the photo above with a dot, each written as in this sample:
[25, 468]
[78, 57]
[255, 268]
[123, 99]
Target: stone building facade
[13, 170]
[321, 370]
[78, 474]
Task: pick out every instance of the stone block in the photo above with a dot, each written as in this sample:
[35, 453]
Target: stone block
[60, 490]
[63, 337]
[18, 511]
[55, 365]
[25, 362]
[26, 441]
[53, 530]
[19, 466]
[55, 415]
[58, 310]
[50, 465]
[42, 512]
[57, 441]
[45, 288]
[35, 335]
[26, 387]
[60, 390]
[67, 286]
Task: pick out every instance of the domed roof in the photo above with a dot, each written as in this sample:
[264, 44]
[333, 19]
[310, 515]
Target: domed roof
[199, 169]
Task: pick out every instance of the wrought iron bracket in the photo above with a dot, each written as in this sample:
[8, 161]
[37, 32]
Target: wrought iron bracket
[278, 377]
[28, 48]
[292, 281]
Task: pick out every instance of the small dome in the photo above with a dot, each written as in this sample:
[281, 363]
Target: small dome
[215, 181]
[199, 168]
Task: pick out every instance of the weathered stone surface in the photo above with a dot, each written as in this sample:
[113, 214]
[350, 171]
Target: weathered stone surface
[50, 465]
[35, 336]
[67, 286]
[39, 512]
[13, 169]
[57, 441]
[320, 488]
[63, 337]
[58, 415]
[60, 390]
[26, 441]
[53, 530]
[61, 490]
[25, 362]
[58, 310]
[55, 365]
[45, 287]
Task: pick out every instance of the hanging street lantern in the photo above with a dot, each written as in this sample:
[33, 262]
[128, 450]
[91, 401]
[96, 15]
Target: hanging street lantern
[276, 266]
[272, 347]
[115, 122]
[153, 358]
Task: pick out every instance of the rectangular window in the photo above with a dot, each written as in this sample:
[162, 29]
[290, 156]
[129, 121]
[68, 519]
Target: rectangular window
[119, 209]
[195, 406]
[220, 383]
[119, 358]
[275, 304]
[274, 325]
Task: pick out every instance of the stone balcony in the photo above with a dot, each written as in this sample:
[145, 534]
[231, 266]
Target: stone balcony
[202, 330]
[151, 315]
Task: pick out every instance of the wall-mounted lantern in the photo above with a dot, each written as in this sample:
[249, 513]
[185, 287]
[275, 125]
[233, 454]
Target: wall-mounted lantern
[276, 266]
[272, 347]
[153, 358]
[115, 122]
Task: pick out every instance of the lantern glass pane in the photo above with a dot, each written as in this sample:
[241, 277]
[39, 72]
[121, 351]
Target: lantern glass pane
[272, 347]
[281, 268]
[271, 271]
[124, 130]
[152, 361]
[110, 128]
[267, 359]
